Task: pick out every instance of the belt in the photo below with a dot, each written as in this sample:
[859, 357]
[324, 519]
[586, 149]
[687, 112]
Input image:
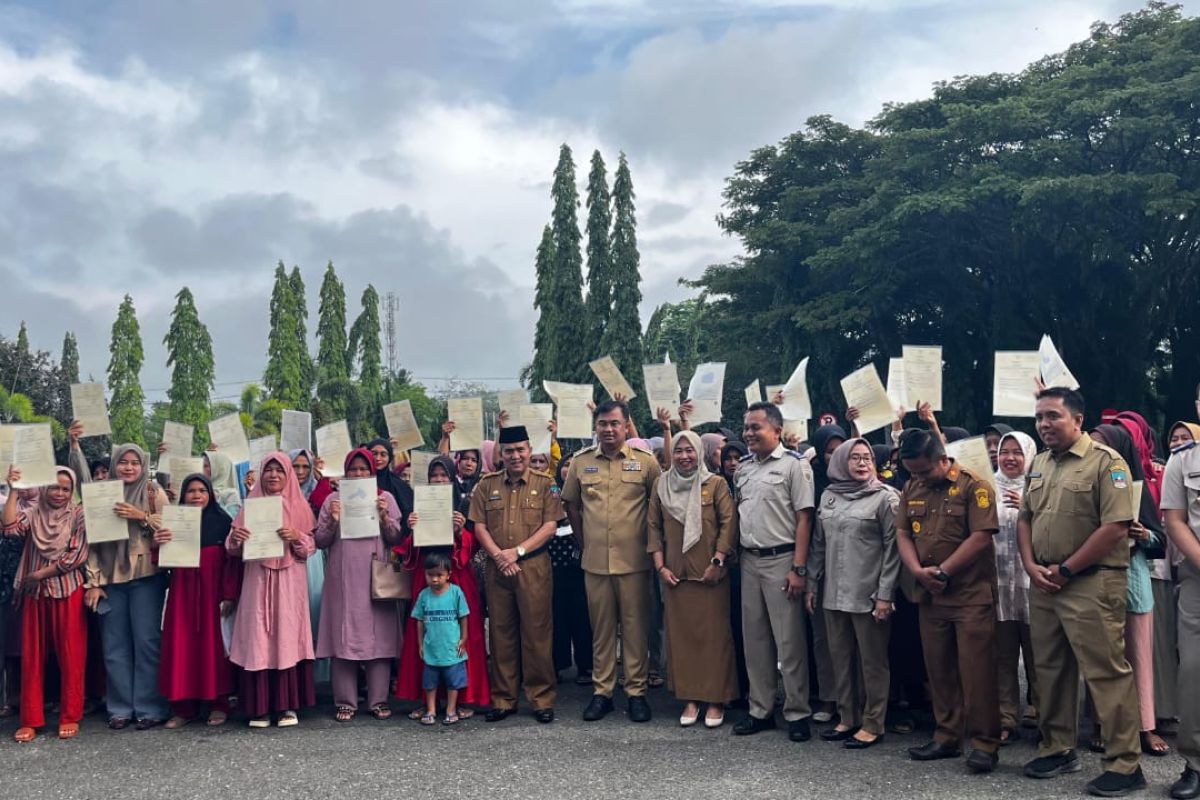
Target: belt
[1092, 570]
[763, 552]
[533, 553]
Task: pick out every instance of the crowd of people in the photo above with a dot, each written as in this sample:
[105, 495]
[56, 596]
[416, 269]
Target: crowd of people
[861, 582]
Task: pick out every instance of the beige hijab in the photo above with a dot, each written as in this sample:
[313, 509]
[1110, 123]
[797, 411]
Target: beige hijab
[680, 494]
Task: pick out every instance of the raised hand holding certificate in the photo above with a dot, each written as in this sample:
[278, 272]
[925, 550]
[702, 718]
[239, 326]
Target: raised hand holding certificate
[434, 506]
[99, 499]
[229, 436]
[177, 438]
[610, 377]
[1054, 369]
[263, 517]
[184, 548]
[863, 390]
[467, 415]
[512, 399]
[1014, 383]
[89, 408]
[333, 445]
[896, 389]
[360, 516]
[536, 419]
[295, 430]
[796, 404]
[662, 388]
[33, 454]
[923, 375]
[574, 417]
[753, 393]
[402, 425]
[705, 390]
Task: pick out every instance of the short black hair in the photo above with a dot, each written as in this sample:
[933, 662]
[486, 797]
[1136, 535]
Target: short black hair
[609, 406]
[437, 560]
[774, 415]
[921, 443]
[1071, 398]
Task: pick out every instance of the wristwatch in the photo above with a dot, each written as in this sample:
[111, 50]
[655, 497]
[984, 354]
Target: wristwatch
[520, 551]
[941, 576]
[801, 570]
[1065, 571]
[717, 562]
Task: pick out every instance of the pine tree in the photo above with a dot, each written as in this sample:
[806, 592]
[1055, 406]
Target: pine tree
[367, 345]
[599, 260]
[300, 304]
[124, 377]
[190, 356]
[23, 341]
[333, 357]
[623, 335]
[566, 360]
[70, 359]
[284, 375]
[538, 369]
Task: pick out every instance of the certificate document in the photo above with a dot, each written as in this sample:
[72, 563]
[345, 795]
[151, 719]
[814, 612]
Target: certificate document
[177, 438]
[662, 388]
[574, 417]
[260, 448]
[536, 419]
[360, 516]
[333, 445]
[923, 375]
[103, 525]
[467, 415]
[863, 390]
[796, 404]
[773, 390]
[420, 466]
[434, 505]
[705, 390]
[90, 409]
[753, 393]
[512, 399]
[179, 467]
[402, 425]
[610, 377]
[973, 454]
[263, 517]
[1054, 369]
[295, 431]
[897, 392]
[229, 436]
[797, 428]
[33, 454]
[1014, 383]
[184, 548]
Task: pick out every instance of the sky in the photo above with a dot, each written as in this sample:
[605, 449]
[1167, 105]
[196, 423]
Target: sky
[146, 146]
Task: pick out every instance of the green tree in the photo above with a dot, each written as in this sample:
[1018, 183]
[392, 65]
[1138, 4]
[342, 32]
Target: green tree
[69, 363]
[23, 340]
[623, 334]
[193, 369]
[600, 277]
[567, 328]
[125, 405]
[287, 352]
[300, 306]
[538, 369]
[366, 346]
[333, 356]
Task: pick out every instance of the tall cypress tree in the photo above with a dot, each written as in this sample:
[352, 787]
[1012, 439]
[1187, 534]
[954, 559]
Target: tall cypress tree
[333, 358]
[70, 359]
[566, 360]
[543, 267]
[190, 356]
[284, 376]
[623, 335]
[300, 308]
[23, 341]
[366, 345]
[124, 377]
[599, 260]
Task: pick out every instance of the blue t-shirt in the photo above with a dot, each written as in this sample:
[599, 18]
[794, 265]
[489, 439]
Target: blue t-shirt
[442, 632]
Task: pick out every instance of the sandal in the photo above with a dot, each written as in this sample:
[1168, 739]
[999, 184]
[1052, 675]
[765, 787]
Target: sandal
[146, 723]
[260, 722]
[25, 734]
[287, 719]
[1153, 745]
[381, 712]
[119, 723]
[451, 719]
[427, 719]
[176, 722]
[68, 730]
[216, 718]
[345, 713]
[465, 713]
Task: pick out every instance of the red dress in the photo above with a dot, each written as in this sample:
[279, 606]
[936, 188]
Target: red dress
[194, 665]
[462, 573]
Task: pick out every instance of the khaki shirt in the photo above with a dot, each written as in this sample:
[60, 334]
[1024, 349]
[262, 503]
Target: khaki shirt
[612, 494]
[1181, 486]
[939, 517]
[718, 534]
[769, 492]
[514, 510]
[1069, 496]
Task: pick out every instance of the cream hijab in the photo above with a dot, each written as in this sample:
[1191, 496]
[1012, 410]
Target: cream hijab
[680, 494]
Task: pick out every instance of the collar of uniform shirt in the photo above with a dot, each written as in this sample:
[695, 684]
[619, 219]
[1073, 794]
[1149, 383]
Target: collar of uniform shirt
[776, 453]
[624, 452]
[1079, 449]
[520, 478]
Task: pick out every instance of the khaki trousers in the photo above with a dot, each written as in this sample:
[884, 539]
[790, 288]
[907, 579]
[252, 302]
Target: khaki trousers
[1013, 641]
[521, 632]
[1081, 629]
[857, 640]
[624, 601]
[1188, 695]
[960, 653]
[773, 632]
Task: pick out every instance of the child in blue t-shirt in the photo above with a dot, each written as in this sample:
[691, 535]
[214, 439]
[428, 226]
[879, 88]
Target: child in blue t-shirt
[441, 614]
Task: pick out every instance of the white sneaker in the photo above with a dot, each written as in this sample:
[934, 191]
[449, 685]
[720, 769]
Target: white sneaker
[260, 722]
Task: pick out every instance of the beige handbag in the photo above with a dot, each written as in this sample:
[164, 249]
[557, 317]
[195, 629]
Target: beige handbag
[389, 581]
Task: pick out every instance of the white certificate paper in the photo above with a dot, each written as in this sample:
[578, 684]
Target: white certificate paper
[102, 524]
[260, 448]
[467, 415]
[184, 548]
[263, 517]
[179, 467]
[229, 436]
[896, 389]
[705, 390]
[973, 454]
[662, 388]
[295, 431]
[923, 375]
[1014, 383]
[1054, 369]
[360, 516]
[90, 409]
[863, 390]
[177, 438]
[753, 393]
[434, 505]
[536, 419]
[797, 428]
[512, 399]
[574, 417]
[796, 404]
[419, 474]
[402, 425]
[611, 378]
[333, 445]
[33, 453]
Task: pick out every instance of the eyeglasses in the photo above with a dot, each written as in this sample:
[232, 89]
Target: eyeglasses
[860, 459]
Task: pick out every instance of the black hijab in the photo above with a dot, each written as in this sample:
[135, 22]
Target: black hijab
[388, 481]
[214, 522]
[736, 447]
[820, 440]
[447, 464]
[1116, 437]
[955, 434]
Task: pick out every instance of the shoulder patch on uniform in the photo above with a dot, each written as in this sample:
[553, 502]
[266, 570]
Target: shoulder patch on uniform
[1119, 477]
[983, 497]
[1183, 447]
[543, 473]
[746, 457]
[491, 474]
[589, 449]
[797, 456]
[637, 448]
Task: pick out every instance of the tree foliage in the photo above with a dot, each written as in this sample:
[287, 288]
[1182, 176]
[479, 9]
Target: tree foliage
[538, 369]
[126, 399]
[333, 356]
[193, 369]
[599, 257]
[287, 351]
[567, 325]
[623, 333]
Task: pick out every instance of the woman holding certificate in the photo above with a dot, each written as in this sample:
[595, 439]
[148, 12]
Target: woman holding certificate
[355, 523]
[195, 668]
[272, 640]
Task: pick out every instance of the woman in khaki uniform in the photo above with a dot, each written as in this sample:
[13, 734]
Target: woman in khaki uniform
[692, 532]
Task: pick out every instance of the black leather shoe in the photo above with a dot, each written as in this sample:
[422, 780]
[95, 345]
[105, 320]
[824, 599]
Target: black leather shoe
[861, 744]
[750, 725]
[799, 730]
[932, 751]
[544, 715]
[639, 709]
[599, 708]
[1053, 766]
[1188, 785]
[1115, 784]
[834, 735]
[497, 714]
[980, 761]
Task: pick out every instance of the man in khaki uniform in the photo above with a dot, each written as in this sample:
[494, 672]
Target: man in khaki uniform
[944, 535]
[516, 512]
[1073, 532]
[606, 493]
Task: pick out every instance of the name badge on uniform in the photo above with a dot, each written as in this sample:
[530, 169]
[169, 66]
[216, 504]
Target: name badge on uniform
[495, 494]
[954, 491]
[1035, 475]
[591, 469]
[533, 492]
[633, 465]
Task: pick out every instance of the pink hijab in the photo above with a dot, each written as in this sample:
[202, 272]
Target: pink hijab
[297, 513]
[1143, 441]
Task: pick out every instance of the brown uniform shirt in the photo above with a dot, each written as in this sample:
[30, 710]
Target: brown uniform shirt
[939, 518]
[613, 494]
[513, 510]
[1072, 494]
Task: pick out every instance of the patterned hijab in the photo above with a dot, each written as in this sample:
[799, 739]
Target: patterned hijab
[50, 528]
[297, 514]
